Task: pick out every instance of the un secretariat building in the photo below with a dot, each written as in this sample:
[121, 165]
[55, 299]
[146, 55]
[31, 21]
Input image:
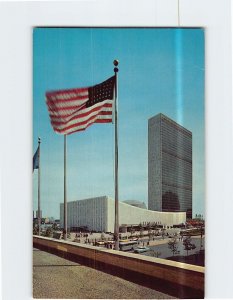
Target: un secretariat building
[169, 166]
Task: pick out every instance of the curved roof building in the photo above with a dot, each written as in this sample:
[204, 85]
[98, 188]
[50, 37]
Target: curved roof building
[136, 203]
[97, 214]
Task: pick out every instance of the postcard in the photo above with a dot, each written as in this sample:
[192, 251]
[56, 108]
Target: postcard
[119, 162]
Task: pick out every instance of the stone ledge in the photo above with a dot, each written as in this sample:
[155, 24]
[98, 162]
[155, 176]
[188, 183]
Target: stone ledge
[178, 279]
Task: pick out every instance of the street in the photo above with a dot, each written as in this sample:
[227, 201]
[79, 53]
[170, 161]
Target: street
[166, 252]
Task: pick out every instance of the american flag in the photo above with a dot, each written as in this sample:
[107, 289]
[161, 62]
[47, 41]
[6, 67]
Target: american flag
[75, 109]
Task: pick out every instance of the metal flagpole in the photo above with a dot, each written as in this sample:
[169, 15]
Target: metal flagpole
[39, 216]
[65, 202]
[116, 226]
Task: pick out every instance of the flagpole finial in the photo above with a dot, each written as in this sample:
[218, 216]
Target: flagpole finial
[116, 62]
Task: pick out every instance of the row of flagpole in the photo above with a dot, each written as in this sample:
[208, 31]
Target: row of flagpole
[36, 165]
[65, 194]
[39, 215]
[116, 224]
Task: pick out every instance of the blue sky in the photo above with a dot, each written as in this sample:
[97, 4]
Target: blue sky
[160, 70]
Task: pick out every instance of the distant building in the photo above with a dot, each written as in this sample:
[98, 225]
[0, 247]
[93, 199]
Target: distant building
[169, 166]
[97, 214]
[136, 203]
[46, 220]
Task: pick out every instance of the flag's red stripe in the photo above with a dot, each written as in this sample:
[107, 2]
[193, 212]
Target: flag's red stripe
[76, 98]
[82, 115]
[57, 109]
[103, 121]
[97, 121]
[81, 129]
[102, 113]
[106, 105]
[79, 124]
[78, 90]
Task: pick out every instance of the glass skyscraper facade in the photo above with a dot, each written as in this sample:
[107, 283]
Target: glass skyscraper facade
[169, 166]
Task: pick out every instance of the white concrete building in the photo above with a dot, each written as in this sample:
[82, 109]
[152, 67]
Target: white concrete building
[98, 214]
[136, 203]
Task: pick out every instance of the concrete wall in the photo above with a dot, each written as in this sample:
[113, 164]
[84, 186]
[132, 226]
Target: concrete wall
[88, 212]
[178, 279]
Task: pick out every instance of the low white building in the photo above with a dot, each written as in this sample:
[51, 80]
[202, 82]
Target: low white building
[98, 214]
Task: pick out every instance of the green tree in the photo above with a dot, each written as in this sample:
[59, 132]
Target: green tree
[102, 236]
[150, 234]
[173, 245]
[188, 245]
[155, 253]
[141, 232]
[163, 233]
[131, 230]
[49, 232]
[35, 229]
[202, 232]
[54, 226]
[148, 225]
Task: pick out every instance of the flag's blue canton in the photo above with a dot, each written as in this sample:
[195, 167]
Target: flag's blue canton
[36, 160]
[101, 92]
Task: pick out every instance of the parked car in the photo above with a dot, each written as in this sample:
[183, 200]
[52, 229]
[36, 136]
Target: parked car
[141, 249]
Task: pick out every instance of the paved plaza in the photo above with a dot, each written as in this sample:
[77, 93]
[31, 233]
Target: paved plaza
[157, 244]
[55, 277]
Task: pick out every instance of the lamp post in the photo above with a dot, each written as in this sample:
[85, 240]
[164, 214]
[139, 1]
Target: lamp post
[201, 247]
